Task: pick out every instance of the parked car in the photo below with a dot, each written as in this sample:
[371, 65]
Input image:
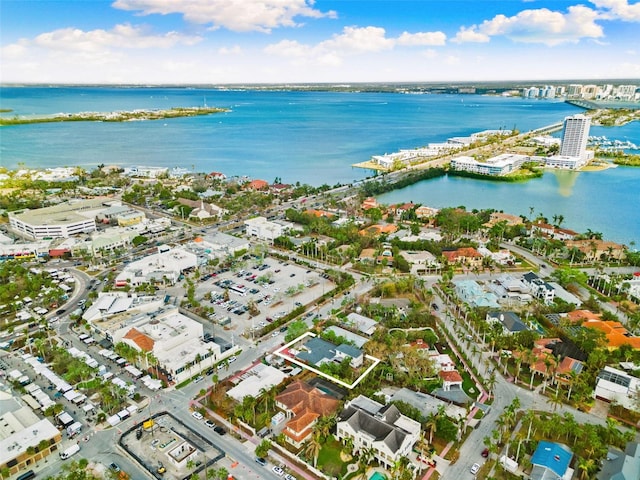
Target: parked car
[114, 467]
[219, 430]
[210, 424]
[485, 453]
[197, 415]
[278, 471]
[261, 461]
[475, 468]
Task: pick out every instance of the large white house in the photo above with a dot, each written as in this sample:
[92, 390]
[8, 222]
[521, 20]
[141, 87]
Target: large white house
[371, 425]
[175, 340]
[264, 229]
[613, 385]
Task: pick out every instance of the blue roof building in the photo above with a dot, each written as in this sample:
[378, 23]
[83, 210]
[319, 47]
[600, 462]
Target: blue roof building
[317, 351]
[551, 461]
[470, 292]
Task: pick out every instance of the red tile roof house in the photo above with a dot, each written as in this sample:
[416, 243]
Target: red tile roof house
[450, 379]
[303, 405]
[217, 175]
[464, 256]
[257, 185]
[568, 365]
[400, 209]
[369, 202]
[279, 187]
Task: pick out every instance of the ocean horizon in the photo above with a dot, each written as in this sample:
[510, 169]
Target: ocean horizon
[314, 137]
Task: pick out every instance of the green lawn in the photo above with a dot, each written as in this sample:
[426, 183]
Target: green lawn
[468, 384]
[329, 459]
[95, 383]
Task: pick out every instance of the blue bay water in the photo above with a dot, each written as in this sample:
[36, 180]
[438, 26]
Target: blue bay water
[315, 137]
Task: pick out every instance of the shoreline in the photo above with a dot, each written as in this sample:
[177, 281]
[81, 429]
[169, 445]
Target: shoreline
[118, 116]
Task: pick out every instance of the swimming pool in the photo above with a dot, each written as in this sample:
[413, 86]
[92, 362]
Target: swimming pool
[377, 476]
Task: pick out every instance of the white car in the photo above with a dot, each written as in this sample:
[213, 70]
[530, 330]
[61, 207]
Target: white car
[278, 471]
[289, 477]
[474, 468]
[197, 415]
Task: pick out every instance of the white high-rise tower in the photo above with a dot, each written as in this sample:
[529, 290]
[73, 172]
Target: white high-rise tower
[575, 135]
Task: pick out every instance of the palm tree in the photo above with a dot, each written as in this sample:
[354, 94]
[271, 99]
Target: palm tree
[324, 425]
[491, 383]
[312, 448]
[249, 406]
[555, 400]
[431, 424]
[586, 467]
[348, 444]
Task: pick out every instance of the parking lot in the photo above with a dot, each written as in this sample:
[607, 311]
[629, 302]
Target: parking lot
[269, 289]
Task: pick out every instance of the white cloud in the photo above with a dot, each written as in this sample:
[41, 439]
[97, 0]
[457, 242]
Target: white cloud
[422, 38]
[355, 39]
[452, 60]
[236, 15]
[470, 35]
[16, 50]
[288, 48]
[538, 26]
[121, 36]
[430, 53]
[631, 70]
[235, 50]
[619, 9]
[351, 41]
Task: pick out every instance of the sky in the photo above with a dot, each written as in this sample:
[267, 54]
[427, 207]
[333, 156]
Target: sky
[305, 41]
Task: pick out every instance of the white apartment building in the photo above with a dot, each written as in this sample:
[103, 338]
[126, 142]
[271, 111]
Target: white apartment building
[626, 92]
[497, 166]
[575, 135]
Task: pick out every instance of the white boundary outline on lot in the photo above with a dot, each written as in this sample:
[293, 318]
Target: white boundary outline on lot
[297, 362]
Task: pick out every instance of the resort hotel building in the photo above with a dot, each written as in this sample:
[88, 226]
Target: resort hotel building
[496, 166]
[573, 146]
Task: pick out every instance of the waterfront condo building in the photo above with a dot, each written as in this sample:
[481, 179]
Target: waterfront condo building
[574, 136]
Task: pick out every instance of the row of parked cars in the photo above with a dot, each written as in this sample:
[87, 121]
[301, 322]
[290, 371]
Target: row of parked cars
[216, 428]
[277, 470]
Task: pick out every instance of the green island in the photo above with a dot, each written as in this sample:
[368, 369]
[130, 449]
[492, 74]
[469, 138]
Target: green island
[620, 158]
[614, 117]
[120, 116]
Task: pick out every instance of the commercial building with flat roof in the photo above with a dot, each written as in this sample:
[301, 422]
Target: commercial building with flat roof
[62, 220]
[495, 166]
[22, 432]
[175, 340]
[162, 266]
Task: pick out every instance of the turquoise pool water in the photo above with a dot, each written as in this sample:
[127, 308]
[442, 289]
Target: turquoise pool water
[377, 476]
